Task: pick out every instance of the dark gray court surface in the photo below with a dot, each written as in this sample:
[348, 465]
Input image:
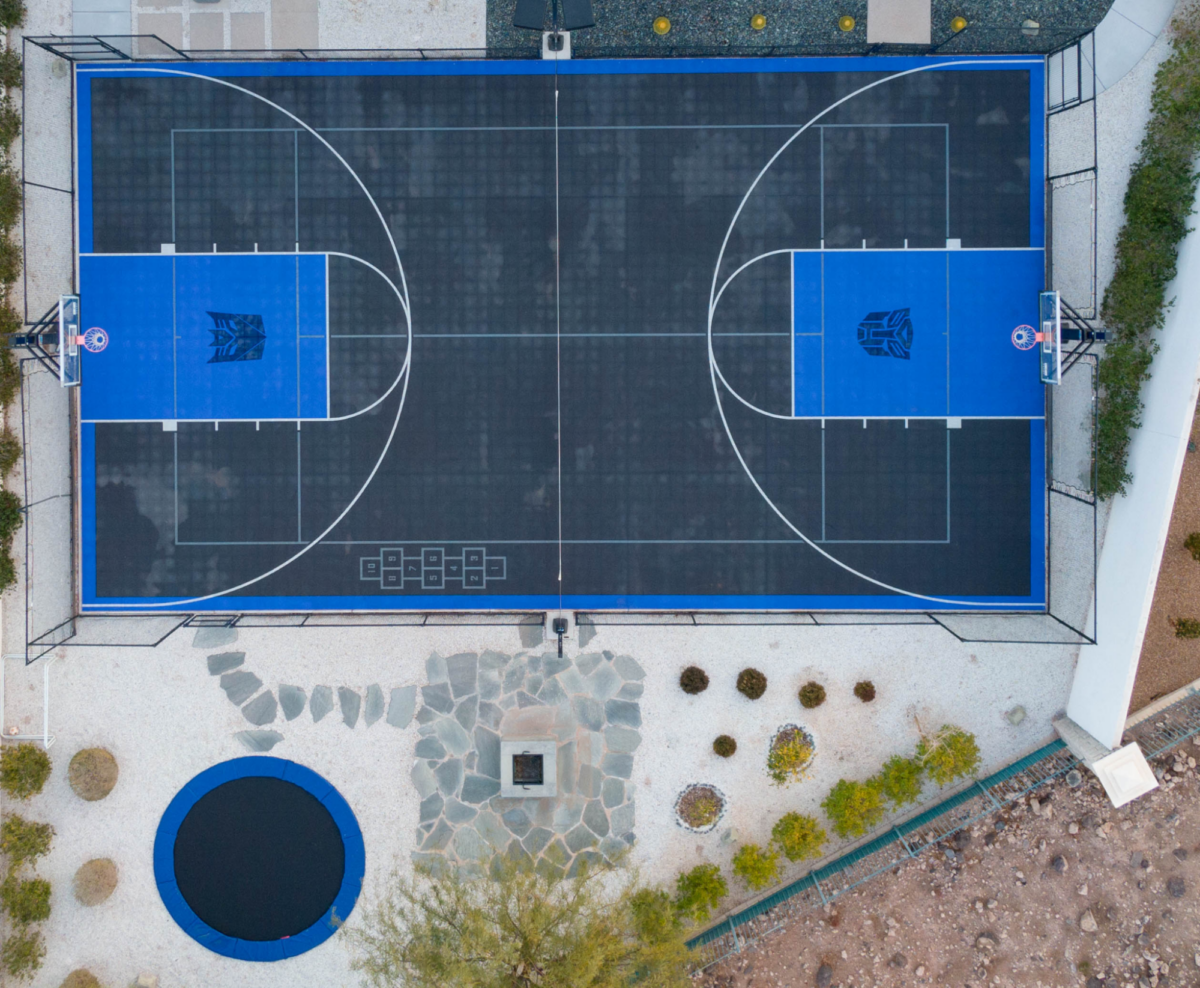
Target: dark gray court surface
[559, 275]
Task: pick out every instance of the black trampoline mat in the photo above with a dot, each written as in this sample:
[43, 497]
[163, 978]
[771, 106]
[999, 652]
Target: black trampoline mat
[559, 432]
[259, 859]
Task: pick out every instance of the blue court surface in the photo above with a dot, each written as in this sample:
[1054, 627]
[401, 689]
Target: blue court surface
[440, 335]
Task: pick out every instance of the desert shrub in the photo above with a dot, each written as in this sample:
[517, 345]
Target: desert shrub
[724, 745]
[700, 806]
[654, 916]
[92, 773]
[23, 841]
[756, 866]
[698, 892]
[10, 260]
[790, 754]
[693, 680]
[10, 185]
[10, 373]
[95, 881]
[10, 519]
[81, 977]
[854, 807]
[900, 780]
[25, 900]
[798, 836]
[751, 683]
[948, 754]
[1192, 544]
[865, 690]
[1158, 203]
[10, 69]
[10, 319]
[25, 768]
[8, 568]
[1186, 627]
[10, 451]
[23, 953]
[812, 695]
[12, 13]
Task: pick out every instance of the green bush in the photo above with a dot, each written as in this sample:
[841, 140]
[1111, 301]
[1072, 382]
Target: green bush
[25, 768]
[10, 129]
[865, 691]
[12, 13]
[1158, 203]
[900, 780]
[10, 185]
[812, 695]
[791, 753]
[23, 953]
[11, 75]
[698, 892]
[798, 837]
[854, 807]
[1192, 544]
[23, 841]
[756, 866]
[8, 569]
[26, 901]
[10, 374]
[724, 745]
[1186, 627]
[11, 517]
[10, 451]
[693, 680]
[654, 916]
[949, 754]
[10, 261]
[751, 683]
[10, 319]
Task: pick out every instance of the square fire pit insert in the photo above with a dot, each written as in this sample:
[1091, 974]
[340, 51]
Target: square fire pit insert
[528, 767]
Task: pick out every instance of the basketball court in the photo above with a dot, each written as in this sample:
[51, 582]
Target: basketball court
[687, 334]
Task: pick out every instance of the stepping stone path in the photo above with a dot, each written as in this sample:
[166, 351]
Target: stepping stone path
[590, 705]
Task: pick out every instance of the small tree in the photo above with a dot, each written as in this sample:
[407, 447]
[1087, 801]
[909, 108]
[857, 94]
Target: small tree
[522, 928]
[854, 807]
[900, 780]
[25, 768]
[23, 841]
[798, 837]
[948, 754]
[756, 866]
[698, 892]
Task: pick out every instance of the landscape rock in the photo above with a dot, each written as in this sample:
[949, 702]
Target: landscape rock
[261, 710]
[373, 709]
[351, 703]
[1087, 922]
[401, 706]
[824, 976]
[240, 686]
[292, 701]
[214, 637]
[321, 702]
[224, 661]
[259, 740]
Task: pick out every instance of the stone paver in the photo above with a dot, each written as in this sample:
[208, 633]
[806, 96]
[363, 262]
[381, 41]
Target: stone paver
[291, 699]
[261, 710]
[259, 740]
[321, 702]
[224, 661]
[214, 637]
[240, 686]
[401, 706]
[373, 708]
[350, 703]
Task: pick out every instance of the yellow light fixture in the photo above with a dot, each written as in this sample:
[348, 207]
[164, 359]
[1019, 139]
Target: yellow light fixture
[957, 24]
[846, 22]
[662, 25]
[758, 21]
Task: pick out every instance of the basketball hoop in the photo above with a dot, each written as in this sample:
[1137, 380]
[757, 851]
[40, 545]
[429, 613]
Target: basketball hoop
[94, 340]
[1024, 337]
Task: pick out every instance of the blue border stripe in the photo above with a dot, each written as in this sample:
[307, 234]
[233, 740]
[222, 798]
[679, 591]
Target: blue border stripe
[1039, 538]
[83, 144]
[1037, 155]
[87, 508]
[258, 766]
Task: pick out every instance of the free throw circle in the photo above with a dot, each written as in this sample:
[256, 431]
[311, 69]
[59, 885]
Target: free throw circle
[95, 339]
[1024, 337]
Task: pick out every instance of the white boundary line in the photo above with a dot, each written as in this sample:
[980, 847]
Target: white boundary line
[715, 373]
[404, 370]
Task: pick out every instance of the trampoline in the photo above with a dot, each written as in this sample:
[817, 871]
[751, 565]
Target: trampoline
[259, 859]
[653, 334]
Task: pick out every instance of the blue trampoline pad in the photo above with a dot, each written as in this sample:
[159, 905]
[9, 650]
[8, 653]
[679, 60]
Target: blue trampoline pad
[920, 333]
[206, 337]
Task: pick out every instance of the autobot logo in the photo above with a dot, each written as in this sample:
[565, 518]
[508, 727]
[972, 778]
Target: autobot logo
[236, 337]
[887, 334]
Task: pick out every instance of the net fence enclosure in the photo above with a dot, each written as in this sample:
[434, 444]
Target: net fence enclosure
[912, 837]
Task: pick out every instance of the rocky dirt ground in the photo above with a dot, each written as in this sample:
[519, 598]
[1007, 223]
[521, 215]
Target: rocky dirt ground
[1056, 890]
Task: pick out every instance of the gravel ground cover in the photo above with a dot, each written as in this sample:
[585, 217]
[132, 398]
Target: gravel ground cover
[1058, 890]
[723, 26]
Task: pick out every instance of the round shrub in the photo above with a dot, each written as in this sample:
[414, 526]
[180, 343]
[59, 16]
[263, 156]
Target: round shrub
[25, 901]
[756, 866]
[95, 881]
[699, 891]
[700, 807]
[23, 841]
[751, 683]
[900, 780]
[854, 807]
[791, 752]
[92, 773]
[798, 836]
[724, 745]
[812, 695]
[693, 680]
[865, 690]
[81, 977]
[23, 770]
[948, 754]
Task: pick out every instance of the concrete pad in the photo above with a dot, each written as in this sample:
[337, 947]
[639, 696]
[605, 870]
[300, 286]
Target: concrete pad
[206, 32]
[898, 22]
[248, 31]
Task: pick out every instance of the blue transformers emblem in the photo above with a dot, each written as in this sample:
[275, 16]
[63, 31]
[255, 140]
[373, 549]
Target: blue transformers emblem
[887, 334]
[236, 337]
